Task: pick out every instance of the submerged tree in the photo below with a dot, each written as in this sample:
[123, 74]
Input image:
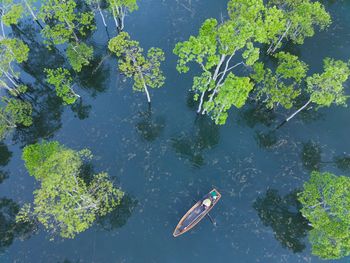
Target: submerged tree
[327, 88]
[61, 79]
[215, 46]
[15, 110]
[282, 86]
[299, 19]
[326, 202]
[145, 71]
[119, 9]
[65, 24]
[67, 203]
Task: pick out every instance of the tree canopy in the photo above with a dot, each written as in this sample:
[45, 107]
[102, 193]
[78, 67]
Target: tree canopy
[67, 202]
[326, 202]
[145, 71]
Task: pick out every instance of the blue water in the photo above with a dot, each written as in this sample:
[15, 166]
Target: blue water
[165, 158]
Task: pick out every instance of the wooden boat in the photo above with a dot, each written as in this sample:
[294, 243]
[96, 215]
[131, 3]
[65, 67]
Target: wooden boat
[197, 212]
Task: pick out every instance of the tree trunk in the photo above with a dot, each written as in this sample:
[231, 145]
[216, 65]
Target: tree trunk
[289, 24]
[294, 114]
[222, 59]
[201, 102]
[2, 29]
[101, 14]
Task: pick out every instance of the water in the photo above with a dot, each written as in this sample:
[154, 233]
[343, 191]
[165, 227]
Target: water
[165, 158]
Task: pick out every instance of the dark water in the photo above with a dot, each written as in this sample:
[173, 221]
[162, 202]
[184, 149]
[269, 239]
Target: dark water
[166, 158]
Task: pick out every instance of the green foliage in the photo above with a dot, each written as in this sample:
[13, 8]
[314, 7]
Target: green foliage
[300, 19]
[12, 50]
[130, 5]
[62, 81]
[327, 88]
[145, 71]
[326, 202]
[35, 155]
[66, 203]
[79, 55]
[12, 16]
[233, 92]
[63, 22]
[283, 86]
[19, 110]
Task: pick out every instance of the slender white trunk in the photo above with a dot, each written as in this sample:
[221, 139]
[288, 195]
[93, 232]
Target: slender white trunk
[101, 14]
[201, 102]
[115, 17]
[299, 110]
[220, 80]
[289, 24]
[30, 10]
[2, 29]
[222, 59]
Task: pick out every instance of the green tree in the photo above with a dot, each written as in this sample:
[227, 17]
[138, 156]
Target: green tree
[300, 18]
[215, 46]
[284, 85]
[145, 71]
[79, 54]
[119, 9]
[61, 79]
[96, 5]
[327, 88]
[14, 110]
[10, 13]
[63, 22]
[326, 202]
[66, 203]
[14, 51]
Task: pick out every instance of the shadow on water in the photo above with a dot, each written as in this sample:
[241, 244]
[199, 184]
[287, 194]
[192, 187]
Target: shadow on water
[150, 127]
[192, 145]
[9, 229]
[283, 216]
[311, 156]
[93, 77]
[255, 115]
[46, 119]
[5, 156]
[119, 216]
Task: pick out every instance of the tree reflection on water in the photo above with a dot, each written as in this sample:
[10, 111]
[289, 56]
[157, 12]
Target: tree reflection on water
[191, 146]
[283, 216]
[9, 229]
[119, 216]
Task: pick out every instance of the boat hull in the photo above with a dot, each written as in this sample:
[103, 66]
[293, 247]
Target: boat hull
[196, 213]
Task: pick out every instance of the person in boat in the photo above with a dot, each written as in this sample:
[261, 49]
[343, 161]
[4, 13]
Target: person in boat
[206, 203]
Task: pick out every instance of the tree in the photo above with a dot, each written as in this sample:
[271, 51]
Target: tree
[10, 13]
[14, 51]
[66, 203]
[145, 71]
[326, 202]
[63, 22]
[96, 5]
[62, 81]
[300, 18]
[119, 9]
[213, 50]
[14, 110]
[79, 54]
[327, 88]
[284, 85]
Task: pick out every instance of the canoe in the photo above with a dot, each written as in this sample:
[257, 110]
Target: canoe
[197, 212]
